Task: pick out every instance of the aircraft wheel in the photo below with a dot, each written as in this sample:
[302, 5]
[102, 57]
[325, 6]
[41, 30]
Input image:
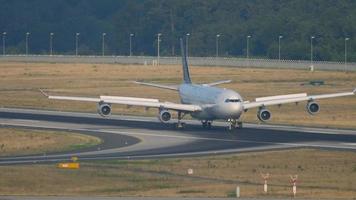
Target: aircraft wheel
[179, 125]
[239, 125]
[230, 127]
[209, 125]
[204, 124]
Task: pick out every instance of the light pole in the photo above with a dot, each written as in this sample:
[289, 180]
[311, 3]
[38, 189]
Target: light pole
[131, 35]
[311, 50]
[217, 44]
[3, 43]
[27, 37]
[76, 43]
[51, 43]
[279, 47]
[346, 39]
[103, 44]
[187, 43]
[248, 46]
[158, 43]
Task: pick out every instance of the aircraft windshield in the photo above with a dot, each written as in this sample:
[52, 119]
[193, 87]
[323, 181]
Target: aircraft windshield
[232, 100]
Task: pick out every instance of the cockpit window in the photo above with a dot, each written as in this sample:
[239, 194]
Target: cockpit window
[232, 100]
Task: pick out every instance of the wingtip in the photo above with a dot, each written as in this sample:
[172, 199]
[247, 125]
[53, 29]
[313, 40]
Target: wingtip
[44, 93]
[137, 82]
[354, 91]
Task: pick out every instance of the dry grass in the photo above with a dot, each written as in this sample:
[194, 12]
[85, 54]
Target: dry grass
[322, 174]
[19, 85]
[26, 142]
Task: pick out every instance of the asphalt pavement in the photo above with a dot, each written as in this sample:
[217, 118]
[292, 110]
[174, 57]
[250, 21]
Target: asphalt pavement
[128, 137]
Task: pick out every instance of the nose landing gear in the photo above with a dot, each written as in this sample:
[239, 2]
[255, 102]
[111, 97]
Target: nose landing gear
[234, 124]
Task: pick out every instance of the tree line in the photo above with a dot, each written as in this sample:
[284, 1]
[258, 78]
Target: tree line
[296, 21]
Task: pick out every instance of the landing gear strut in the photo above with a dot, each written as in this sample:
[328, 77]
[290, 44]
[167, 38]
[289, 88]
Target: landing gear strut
[179, 124]
[234, 124]
[206, 124]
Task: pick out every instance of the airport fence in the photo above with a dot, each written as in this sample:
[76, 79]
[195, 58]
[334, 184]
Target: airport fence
[197, 61]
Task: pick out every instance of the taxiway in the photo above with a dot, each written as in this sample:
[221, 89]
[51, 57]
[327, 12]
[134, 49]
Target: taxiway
[127, 137]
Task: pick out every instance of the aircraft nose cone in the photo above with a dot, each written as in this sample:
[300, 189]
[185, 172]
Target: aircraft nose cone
[236, 110]
[230, 111]
[230, 105]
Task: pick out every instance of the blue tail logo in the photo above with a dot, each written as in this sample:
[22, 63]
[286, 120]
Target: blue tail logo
[186, 76]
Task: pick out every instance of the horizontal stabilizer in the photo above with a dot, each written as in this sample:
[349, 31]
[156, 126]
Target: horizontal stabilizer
[217, 83]
[168, 87]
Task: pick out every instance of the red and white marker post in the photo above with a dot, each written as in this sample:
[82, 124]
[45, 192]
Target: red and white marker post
[265, 178]
[293, 180]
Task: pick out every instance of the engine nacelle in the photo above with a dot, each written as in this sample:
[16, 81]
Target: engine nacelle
[104, 109]
[164, 116]
[263, 114]
[313, 107]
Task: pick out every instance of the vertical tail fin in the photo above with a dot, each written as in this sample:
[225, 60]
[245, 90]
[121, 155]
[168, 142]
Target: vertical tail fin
[186, 76]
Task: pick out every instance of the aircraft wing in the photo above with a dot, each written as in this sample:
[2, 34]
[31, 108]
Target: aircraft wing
[131, 101]
[291, 98]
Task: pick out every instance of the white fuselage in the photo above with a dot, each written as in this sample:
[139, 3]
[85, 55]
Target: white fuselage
[217, 103]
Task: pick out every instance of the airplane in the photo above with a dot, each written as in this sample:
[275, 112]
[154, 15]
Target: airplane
[204, 102]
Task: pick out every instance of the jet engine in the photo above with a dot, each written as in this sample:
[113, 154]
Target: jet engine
[263, 114]
[313, 107]
[104, 109]
[164, 116]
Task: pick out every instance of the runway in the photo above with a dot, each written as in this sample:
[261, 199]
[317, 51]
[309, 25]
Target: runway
[127, 137]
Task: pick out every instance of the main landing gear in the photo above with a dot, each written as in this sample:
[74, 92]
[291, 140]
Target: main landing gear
[179, 124]
[206, 124]
[234, 124]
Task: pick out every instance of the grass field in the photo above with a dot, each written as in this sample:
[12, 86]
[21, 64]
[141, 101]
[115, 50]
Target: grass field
[19, 84]
[322, 174]
[16, 141]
